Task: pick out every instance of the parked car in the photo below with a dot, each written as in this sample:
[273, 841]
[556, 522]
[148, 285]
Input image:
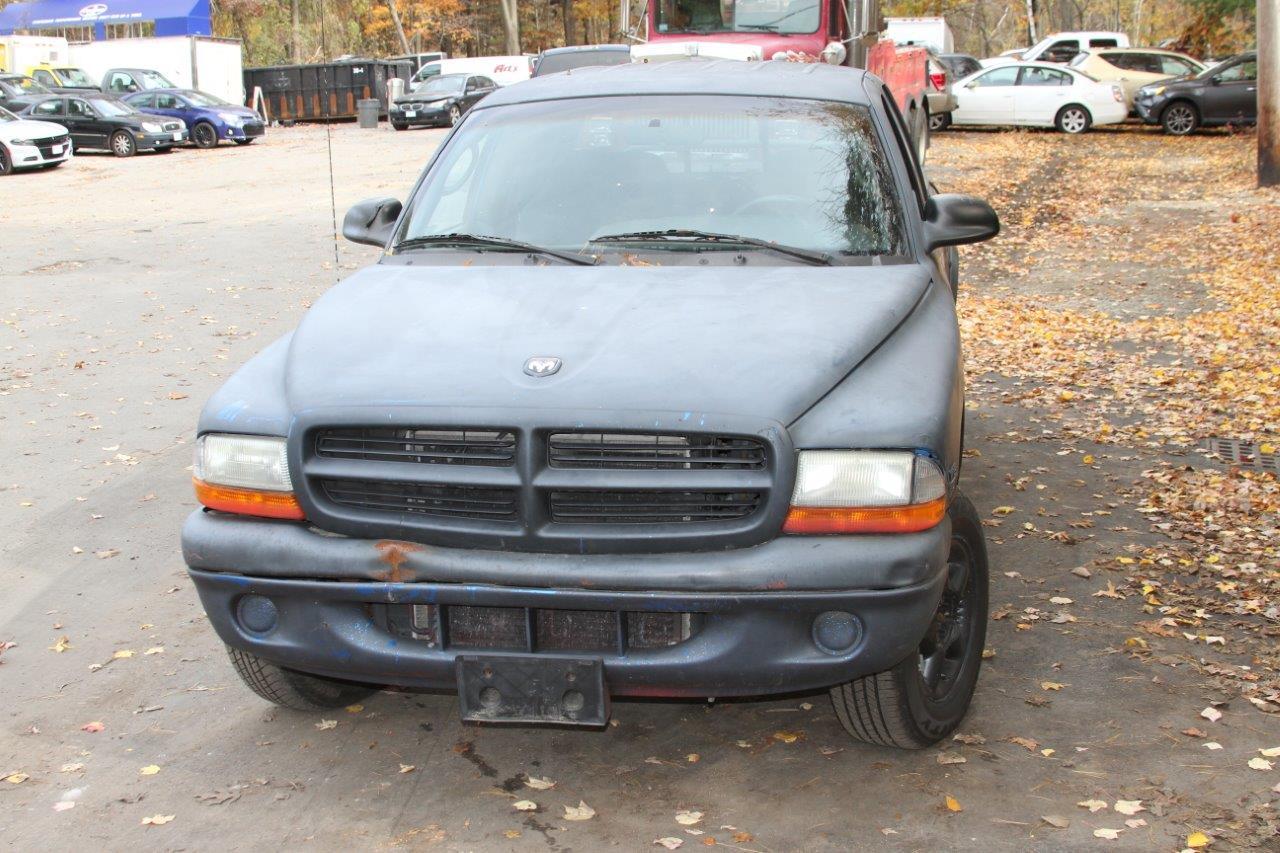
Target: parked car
[97, 121]
[63, 79]
[1135, 67]
[440, 100]
[1037, 94]
[19, 90]
[208, 118]
[121, 81]
[960, 64]
[557, 59]
[29, 144]
[939, 95]
[681, 429]
[1060, 47]
[1226, 93]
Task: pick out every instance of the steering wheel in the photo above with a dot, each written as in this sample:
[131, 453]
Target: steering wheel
[765, 202]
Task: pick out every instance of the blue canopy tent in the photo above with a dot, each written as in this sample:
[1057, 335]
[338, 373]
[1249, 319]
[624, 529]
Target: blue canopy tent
[170, 17]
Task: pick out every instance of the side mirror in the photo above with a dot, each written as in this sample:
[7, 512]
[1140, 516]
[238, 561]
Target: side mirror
[1215, 81]
[954, 220]
[371, 221]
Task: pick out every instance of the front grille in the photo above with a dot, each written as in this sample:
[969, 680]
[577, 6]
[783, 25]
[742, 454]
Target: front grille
[46, 146]
[425, 499]
[654, 451]
[521, 629]
[650, 507]
[171, 126]
[253, 128]
[495, 448]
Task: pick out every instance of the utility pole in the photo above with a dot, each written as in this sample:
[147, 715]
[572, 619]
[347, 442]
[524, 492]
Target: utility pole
[1031, 23]
[510, 25]
[297, 33]
[1268, 93]
[395, 19]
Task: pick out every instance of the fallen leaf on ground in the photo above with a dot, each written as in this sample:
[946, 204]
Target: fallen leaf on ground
[1025, 742]
[1196, 840]
[971, 739]
[61, 644]
[107, 553]
[1081, 572]
[1002, 510]
[121, 654]
[1056, 821]
[16, 778]
[1273, 752]
[64, 805]
[150, 770]
[512, 833]
[581, 811]
[688, 818]
[1135, 823]
[950, 758]
[670, 842]
[539, 783]
[1092, 805]
[354, 709]
[93, 727]
[1109, 834]
[157, 820]
[325, 725]
[1051, 685]
[1213, 744]
[1211, 714]
[1058, 599]
[525, 806]
[693, 758]
[408, 768]
[75, 767]
[788, 737]
[1260, 763]
[953, 805]
[1129, 807]
[154, 650]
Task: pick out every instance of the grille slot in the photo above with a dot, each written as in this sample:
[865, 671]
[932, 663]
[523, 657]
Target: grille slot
[483, 447]
[541, 629]
[650, 507]
[425, 499]
[654, 451]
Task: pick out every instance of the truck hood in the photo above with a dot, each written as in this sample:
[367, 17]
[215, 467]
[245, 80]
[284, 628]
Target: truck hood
[767, 341]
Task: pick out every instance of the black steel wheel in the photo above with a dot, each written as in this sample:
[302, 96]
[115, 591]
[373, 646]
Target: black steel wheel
[123, 144]
[399, 126]
[204, 135]
[921, 700]
[6, 164]
[1180, 118]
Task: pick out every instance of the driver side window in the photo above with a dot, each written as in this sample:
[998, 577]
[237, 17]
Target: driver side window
[49, 108]
[166, 102]
[121, 83]
[42, 76]
[1247, 70]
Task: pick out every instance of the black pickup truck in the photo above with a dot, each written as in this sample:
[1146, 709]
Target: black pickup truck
[656, 390]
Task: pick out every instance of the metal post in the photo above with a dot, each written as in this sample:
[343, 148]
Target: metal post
[1268, 93]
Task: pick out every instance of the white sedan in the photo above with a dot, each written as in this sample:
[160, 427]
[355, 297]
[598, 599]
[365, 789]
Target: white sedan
[1037, 94]
[28, 144]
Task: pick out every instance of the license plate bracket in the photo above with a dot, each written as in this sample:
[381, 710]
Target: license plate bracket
[518, 689]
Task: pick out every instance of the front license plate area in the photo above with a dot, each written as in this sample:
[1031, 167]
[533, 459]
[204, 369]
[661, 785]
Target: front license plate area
[517, 689]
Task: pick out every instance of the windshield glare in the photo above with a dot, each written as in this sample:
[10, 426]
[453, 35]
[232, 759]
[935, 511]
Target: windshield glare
[201, 99]
[446, 84]
[154, 80]
[5, 115]
[108, 107]
[554, 63]
[726, 16]
[806, 174]
[74, 77]
[29, 86]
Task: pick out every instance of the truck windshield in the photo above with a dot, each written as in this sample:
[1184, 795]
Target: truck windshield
[731, 16]
[803, 174]
[153, 80]
[75, 77]
[442, 85]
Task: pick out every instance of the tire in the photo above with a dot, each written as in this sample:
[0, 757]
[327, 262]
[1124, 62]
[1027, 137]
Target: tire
[399, 126]
[163, 149]
[1180, 118]
[123, 144]
[455, 115]
[1073, 119]
[6, 164]
[940, 121]
[204, 135]
[289, 688]
[243, 141]
[898, 707]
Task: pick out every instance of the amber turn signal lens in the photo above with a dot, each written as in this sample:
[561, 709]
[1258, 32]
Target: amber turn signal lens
[248, 501]
[887, 519]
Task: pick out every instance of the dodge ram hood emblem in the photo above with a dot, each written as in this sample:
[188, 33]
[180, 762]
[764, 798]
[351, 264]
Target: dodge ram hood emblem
[542, 365]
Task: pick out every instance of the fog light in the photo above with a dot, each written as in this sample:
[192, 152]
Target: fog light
[257, 613]
[835, 632]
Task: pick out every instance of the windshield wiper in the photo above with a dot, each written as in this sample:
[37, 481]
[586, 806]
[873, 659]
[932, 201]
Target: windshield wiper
[807, 255]
[481, 241]
[770, 28]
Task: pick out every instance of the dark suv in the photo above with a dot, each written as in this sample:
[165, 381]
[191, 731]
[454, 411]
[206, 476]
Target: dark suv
[655, 391]
[1226, 93]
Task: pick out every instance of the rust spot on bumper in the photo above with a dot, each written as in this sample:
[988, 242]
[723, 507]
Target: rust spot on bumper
[395, 555]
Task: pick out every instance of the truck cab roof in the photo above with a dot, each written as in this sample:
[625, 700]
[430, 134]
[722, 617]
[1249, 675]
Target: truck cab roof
[768, 79]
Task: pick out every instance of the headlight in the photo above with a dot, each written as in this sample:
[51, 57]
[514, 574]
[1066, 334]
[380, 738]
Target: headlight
[231, 118]
[23, 141]
[151, 127]
[246, 474]
[1158, 90]
[866, 491]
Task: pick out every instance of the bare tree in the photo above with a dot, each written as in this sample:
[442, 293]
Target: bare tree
[570, 26]
[395, 19]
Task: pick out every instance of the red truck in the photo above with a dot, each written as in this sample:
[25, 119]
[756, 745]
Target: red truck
[839, 32]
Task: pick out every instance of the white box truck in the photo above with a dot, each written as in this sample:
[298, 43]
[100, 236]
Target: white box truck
[212, 65]
[18, 53]
[931, 32]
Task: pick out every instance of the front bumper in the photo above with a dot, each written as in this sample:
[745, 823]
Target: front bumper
[247, 130]
[756, 606]
[31, 156]
[1148, 109]
[940, 102]
[428, 117]
[160, 140]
